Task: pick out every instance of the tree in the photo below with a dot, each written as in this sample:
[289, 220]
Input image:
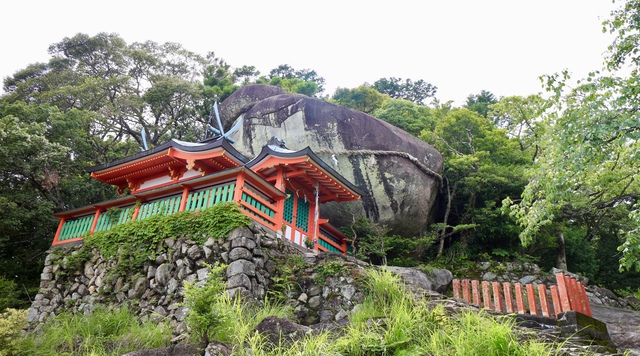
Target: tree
[589, 164]
[85, 106]
[480, 102]
[126, 87]
[521, 117]
[363, 98]
[406, 115]
[417, 92]
[304, 81]
[481, 167]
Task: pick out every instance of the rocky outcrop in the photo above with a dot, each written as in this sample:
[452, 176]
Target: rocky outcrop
[398, 173]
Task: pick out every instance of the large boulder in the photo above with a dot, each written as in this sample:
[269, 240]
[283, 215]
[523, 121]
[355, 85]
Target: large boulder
[398, 173]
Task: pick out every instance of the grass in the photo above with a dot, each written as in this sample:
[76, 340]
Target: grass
[390, 321]
[104, 332]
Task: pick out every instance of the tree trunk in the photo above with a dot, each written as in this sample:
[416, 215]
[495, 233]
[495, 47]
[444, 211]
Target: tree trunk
[443, 232]
[561, 254]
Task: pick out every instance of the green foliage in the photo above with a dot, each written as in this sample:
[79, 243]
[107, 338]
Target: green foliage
[391, 321]
[287, 273]
[587, 170]
[135, 242]
[213, 315]
[363, 98]
[77, 259]
[371, 242]
[11, 323]
[482, 166]
[208, 305]
[480, 102]
[328, 269]
[417, 92]
[10, 295]
[103, 332]
[406, 115]
[304, 81]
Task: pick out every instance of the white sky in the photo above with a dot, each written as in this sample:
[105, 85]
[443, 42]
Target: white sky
[460, 46]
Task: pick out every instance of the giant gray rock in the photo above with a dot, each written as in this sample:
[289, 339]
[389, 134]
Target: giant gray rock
[398, 173]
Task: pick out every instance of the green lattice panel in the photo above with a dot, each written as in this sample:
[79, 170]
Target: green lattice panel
[75, 228]
[302, 215]
[164, 207]
[258, 205]
[203, 199]
[328, 246]
[288, 207]
[108, 220]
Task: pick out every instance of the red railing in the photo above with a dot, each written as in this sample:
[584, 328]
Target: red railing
[567, 295]
[256, 197]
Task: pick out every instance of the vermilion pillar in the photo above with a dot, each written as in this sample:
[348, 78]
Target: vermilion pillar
[95, 221]
[57, 236]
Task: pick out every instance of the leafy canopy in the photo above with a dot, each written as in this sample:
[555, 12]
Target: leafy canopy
[589, 164]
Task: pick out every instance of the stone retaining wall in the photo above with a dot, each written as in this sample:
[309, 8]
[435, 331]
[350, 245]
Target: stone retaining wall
[251, 255]
[156, 289]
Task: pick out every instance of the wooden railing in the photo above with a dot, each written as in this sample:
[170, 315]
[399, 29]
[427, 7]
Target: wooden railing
[208, 197]
[258, 205]
[567, 295]
[256, 197]
[328, 242]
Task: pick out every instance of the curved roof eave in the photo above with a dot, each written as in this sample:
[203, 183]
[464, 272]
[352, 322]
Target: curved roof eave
[173, 143]
[307, 151]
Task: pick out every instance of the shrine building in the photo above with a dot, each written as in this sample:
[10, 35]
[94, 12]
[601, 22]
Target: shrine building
[279, 189]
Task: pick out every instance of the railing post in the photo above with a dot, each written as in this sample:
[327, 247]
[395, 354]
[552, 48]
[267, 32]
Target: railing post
[562, 293]
[465, 290]
[486, 295]
[475, 292]
[57, 235]
[544, 302]
[237, 193]
[508, 297]
[497, 297]
[519, 298]
[586, 300]
[95, 221]
[456, 288]
[183, 200]
[136, 210]
[571, 293]
[531, 297]
[555, 299]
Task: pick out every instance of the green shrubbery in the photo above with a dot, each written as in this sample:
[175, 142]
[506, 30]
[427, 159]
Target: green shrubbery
[11, 322]
[214, 315]
[135, 242]
[103, 332]
[390, 321]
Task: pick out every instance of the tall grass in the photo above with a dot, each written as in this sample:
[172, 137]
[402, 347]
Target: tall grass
[390, 321]
[104, 332]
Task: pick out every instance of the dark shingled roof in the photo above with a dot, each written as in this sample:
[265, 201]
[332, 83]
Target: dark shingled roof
[181, 145]
[307, 151]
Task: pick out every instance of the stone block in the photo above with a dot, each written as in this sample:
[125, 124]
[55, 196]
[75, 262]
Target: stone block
[245, 242]
[573, 322]
[241, 266]
[239, 280]
[240, 253]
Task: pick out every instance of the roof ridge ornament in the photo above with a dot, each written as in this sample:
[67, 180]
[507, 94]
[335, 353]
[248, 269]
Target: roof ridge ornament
[274, 141]
[220, 130]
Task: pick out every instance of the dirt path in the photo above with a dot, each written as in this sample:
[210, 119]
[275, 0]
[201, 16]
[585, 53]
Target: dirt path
[623, 326]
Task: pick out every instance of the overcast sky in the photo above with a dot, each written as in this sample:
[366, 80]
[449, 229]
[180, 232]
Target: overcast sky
[460, 46]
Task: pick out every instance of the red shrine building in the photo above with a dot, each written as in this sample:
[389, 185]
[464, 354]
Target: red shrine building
[279, 189]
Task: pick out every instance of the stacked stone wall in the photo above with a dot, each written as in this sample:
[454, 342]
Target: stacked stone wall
[251, 254]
